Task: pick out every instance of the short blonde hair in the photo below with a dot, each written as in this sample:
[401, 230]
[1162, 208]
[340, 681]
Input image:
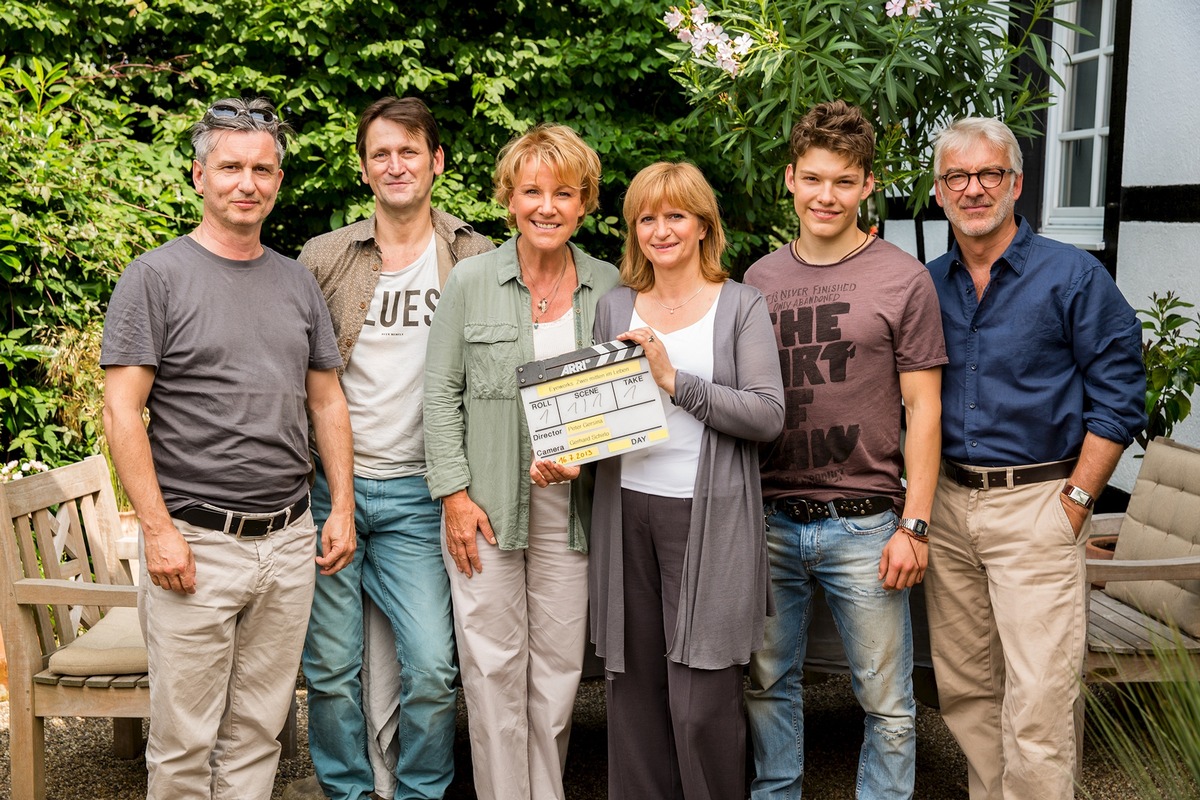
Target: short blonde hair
[568, 155]
[679, 185]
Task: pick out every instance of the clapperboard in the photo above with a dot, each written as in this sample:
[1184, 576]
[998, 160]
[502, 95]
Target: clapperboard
[593, 403]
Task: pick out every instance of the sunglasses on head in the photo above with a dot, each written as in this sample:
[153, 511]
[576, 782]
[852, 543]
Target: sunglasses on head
[225, 111]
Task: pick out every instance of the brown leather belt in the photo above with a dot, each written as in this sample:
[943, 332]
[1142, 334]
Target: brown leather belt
[800, 510]
[243, 526]
[1007, 477]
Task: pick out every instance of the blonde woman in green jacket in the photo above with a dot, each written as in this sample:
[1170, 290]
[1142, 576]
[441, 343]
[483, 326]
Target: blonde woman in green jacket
[516, 548]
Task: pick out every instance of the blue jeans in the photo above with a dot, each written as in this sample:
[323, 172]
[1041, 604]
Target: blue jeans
[398, 564]
[842, 555]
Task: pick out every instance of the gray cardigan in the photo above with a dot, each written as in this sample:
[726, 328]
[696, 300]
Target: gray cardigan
[726, 587]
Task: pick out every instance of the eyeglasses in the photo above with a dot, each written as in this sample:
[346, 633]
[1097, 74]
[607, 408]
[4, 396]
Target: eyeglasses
[988, 178]
[225, 111]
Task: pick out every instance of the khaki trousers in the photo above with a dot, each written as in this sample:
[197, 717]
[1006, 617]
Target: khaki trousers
[521, 628]
[223, 662]
[1007, 620]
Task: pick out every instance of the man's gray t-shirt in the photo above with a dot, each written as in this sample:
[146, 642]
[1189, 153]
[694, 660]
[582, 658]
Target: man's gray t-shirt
[231, 343]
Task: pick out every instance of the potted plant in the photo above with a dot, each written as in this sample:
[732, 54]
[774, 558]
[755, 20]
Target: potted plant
[1171, 353]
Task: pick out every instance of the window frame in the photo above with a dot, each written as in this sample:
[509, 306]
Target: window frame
[1082, 226]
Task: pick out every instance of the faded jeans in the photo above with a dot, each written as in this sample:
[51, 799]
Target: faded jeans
[842, 555]
[398, 564]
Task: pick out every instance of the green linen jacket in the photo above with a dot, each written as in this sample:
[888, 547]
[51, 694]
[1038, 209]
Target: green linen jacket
[476, 435]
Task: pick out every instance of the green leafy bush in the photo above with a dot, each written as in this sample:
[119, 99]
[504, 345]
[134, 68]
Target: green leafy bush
[79, 198]
[96, 98]
[754, 66]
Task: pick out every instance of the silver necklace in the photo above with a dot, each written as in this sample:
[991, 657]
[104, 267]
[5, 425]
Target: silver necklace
[544, 303]
[673, 309]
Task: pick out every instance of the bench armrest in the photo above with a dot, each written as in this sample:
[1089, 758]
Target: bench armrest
[1185, 568]
[45, 591]
[1106, 524]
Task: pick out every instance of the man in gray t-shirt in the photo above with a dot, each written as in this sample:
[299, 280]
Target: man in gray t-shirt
[226, 343]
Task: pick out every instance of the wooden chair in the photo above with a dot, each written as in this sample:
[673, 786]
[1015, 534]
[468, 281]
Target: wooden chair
[61, 571]
[1153, 581]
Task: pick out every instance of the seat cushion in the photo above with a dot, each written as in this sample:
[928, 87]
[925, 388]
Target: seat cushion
[1163, 521]
[113, 646]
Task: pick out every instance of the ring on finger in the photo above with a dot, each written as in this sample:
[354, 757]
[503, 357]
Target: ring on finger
[651, 339]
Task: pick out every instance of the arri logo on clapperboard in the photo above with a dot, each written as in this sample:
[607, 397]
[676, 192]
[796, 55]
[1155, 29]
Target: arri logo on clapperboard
[592, 403]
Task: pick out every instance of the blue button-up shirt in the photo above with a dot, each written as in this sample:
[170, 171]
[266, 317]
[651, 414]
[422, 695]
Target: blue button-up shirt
[1052, 350]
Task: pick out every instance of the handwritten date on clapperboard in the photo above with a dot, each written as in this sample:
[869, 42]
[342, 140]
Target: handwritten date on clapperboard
[592, 403]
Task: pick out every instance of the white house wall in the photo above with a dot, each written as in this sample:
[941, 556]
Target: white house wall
[1162, 121]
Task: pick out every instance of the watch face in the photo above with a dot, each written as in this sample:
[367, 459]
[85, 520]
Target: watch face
[1079, 496]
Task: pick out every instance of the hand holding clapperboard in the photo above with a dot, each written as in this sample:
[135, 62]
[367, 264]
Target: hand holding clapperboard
[592, 403]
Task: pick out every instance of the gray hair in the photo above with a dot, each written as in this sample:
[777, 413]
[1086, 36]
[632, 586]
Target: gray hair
[962, 133]
[239, 115]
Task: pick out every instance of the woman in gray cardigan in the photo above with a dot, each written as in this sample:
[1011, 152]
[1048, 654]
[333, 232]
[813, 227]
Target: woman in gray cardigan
[678, 553]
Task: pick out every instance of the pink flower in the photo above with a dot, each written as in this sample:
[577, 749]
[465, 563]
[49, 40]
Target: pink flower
[742, 44]
[673, 18]
[685, 35]
[895, 8]
[699, 14]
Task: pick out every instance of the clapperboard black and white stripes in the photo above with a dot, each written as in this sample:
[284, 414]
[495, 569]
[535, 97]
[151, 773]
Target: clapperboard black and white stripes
[592, 403]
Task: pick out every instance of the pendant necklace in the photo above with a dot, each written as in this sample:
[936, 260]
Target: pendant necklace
[855, 249]
[672, 309]
[544, 303]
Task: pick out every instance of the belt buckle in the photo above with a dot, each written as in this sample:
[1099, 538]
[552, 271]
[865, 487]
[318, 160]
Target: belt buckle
[243, 518]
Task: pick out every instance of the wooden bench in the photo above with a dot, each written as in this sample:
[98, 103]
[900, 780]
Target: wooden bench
[41, 580]
[67, 602]
[1154, 577]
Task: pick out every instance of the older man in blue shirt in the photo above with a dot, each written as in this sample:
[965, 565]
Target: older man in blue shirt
[1044, 390]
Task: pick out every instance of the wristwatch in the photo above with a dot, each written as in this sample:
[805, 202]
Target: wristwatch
[1078, 496]
[917, 527]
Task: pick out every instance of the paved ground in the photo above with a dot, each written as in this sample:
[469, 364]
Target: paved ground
[81, 766]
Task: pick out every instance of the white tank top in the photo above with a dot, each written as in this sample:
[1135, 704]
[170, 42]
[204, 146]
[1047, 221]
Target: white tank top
[669, 469]
[549, 505]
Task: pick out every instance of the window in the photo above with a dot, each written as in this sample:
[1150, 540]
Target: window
[1077, 126]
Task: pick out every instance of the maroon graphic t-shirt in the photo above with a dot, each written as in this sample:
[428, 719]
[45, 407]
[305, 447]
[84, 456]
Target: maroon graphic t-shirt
[845, 332]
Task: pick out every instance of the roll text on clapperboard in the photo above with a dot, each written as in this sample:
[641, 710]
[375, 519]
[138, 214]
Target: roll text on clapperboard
[592, 403]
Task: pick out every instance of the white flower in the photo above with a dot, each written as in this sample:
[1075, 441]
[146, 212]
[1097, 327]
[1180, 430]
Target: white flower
[915, 7]
[673, 18]
[742, 44]
[699, 14]
[895, 8]
[729, 65]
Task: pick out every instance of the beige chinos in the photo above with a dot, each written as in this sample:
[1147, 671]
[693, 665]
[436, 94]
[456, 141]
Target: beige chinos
[1007, 619]
[226, 659]
[521, 628]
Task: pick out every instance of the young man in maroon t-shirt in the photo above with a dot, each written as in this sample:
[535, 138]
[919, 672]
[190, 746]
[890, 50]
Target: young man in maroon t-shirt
[860, 345]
